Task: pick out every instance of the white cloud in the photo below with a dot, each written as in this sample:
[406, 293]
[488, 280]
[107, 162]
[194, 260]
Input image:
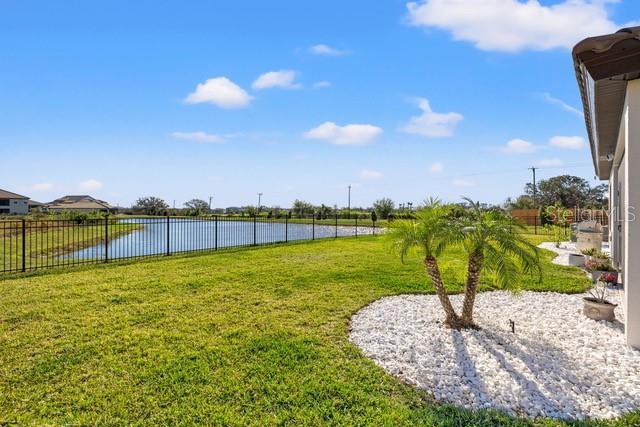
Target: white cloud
[559, 102]
[283, 78]
[352, 134]
[514, 25]
[567, 142]
[519, 146]
[198, 136]
[42, 186]
[219, 91]
[546, 163]
[431, 124]
[321, 84]
[462, 183]
[91, 184]
[370, 174]
[436, 167]
[323, 49]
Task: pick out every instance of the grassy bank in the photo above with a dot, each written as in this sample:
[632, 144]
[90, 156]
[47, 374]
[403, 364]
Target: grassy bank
[48, 240]
[252, 337]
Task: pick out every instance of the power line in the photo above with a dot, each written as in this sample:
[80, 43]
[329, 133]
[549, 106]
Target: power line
[505, 171]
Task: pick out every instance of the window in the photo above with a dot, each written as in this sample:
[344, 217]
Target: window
[4, 202]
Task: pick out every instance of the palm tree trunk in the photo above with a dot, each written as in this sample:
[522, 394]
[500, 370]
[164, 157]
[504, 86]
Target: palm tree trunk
[471, 289]
[452, 319]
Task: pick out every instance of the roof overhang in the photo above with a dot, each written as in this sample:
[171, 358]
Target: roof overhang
[603, 66]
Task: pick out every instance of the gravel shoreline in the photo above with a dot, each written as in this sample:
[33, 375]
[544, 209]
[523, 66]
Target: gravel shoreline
[555, 365]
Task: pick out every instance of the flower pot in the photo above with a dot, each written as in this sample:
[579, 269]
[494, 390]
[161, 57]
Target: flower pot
[595, 275]
[599, 311]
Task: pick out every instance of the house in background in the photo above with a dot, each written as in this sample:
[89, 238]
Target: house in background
[13, 204]
[35, 206]
[81, 203]
[608, 72]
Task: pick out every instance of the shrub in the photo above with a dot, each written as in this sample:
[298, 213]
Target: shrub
[598, 264]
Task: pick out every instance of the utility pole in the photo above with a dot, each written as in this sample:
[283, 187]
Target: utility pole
[535, 203]
[210, 199]
[349, 202]
[259, 199]
[535, 190]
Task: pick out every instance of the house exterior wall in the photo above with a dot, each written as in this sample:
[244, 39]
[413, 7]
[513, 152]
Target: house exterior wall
[618, 200]
[14, 206]
[629, 174]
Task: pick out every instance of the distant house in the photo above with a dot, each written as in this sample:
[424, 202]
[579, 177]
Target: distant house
[81, 203]
[13, 204]
[35, 206]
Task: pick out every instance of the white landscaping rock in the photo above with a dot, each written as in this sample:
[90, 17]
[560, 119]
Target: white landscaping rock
[564, 251]
[558, 364]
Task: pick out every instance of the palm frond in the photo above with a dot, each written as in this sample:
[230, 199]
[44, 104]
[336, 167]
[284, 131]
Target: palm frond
[430, 231]
[507, 253]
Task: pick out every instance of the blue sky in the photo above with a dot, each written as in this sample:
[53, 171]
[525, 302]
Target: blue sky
[294, 99]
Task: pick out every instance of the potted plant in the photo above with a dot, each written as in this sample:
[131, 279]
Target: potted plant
[597, 266]
[589, 254]
[609, 277]
[596, 306]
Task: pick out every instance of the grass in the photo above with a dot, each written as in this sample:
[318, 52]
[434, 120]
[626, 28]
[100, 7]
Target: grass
[251, 337]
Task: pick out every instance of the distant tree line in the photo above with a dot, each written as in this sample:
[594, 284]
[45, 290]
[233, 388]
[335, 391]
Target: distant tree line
[565, 191]
[383, 208]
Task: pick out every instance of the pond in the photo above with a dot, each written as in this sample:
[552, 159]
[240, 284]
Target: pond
[155, 236]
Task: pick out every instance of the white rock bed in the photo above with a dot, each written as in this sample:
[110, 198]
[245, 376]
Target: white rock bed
[558, 364]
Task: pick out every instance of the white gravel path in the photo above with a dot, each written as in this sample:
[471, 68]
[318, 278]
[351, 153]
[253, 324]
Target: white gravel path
[564, 251]
[555, 365]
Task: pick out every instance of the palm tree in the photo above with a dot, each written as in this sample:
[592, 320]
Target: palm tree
[431, 232]
[493, 244]
[489, 238]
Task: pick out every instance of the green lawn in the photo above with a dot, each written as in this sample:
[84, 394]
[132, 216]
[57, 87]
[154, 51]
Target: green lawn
[248, 337]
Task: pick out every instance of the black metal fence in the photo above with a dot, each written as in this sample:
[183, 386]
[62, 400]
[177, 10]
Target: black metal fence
[533, 225]
[37, 244]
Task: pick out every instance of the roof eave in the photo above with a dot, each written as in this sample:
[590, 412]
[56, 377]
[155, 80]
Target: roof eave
[609, 62]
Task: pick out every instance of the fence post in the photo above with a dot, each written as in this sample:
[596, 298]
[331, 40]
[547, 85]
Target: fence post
[374, 227]
[535, 224]
[313, 226]
[356, 226]
[106, 238]
[254, 229]
[286, 228]
[24, 245]
[336, 225]
[215, 227]
[168, 238]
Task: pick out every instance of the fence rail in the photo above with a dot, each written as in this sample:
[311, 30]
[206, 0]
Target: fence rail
[39, 244]
[533, 225]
